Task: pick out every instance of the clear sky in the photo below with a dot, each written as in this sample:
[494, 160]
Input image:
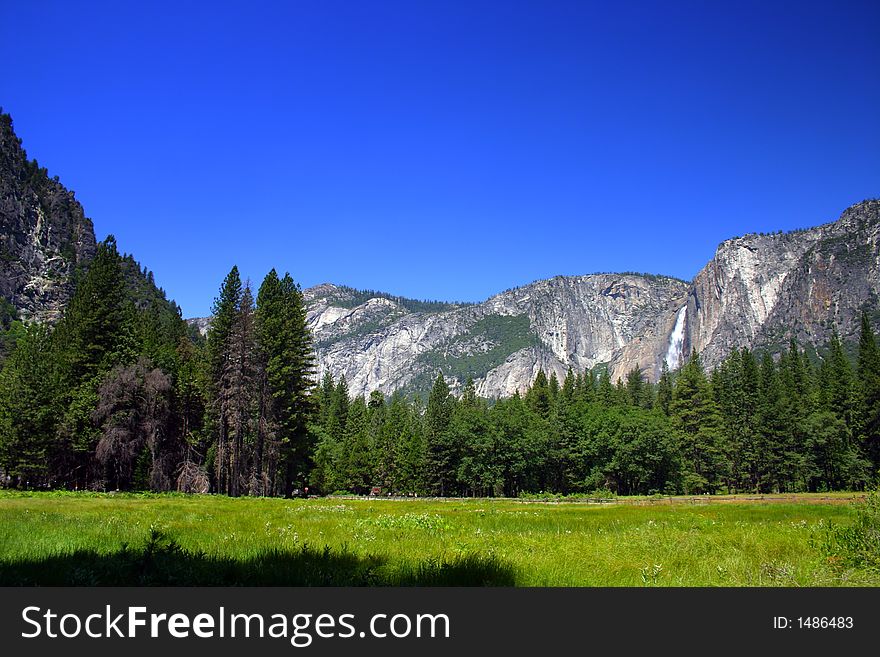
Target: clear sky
[444, 150]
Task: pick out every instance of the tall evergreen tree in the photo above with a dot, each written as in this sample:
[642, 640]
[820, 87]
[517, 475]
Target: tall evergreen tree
[224, 312]
[381, 442]
[518, 455]
[96, 331]
[478, 471]
[663, 399]
[538, 398]
[290, 376]
[28, 411]
[869, 392]
[358, 467]
[637, 390]
[237, 389]
[839, 385]
[569, 385]
[441, 454]
[695, 417]
[605, 389]
[774, 435]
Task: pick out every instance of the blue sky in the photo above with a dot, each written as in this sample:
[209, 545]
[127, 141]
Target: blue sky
[444, 150]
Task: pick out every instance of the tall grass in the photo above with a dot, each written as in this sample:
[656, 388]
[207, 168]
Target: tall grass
[852, 551]
[168, 539]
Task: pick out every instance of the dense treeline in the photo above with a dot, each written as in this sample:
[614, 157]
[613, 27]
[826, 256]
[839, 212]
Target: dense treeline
[89, 403]
[351, 297]
[750, 426]
[121, 395]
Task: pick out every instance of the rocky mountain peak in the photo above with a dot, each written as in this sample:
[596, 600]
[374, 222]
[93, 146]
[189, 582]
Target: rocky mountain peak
[758, 291]
[44, 234]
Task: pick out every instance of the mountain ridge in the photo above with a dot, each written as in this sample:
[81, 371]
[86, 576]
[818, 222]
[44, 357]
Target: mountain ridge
[44, 233]
[758, 291]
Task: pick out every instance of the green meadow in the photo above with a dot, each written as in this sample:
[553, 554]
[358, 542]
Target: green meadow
[106, 539]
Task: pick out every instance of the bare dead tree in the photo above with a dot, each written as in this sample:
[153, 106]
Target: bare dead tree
[133, 412]
[237, 400]
[192, 478]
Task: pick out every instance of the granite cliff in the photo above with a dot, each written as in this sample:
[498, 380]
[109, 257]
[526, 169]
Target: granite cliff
[757, 291]
[761, 290]
[44, 234]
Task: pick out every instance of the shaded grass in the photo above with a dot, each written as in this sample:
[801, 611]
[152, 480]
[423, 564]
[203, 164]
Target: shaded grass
[162, 562]
[160, 539]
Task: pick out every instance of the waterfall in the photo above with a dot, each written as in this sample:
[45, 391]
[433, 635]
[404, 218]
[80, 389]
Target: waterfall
[673, 354]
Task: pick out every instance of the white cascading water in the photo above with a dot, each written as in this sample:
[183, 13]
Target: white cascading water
[673, 354]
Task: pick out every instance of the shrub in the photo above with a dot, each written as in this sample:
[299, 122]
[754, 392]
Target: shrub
[856, 545]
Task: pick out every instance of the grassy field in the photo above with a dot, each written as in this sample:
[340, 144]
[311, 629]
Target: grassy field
[88, 539]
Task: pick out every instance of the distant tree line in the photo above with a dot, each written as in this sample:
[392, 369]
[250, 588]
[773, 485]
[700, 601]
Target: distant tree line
[752, 425]
[120, 394]
[350, 297]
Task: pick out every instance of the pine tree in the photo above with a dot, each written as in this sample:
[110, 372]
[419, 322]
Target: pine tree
[269, 330]
[636, 388]
[695, 417]
[748, 443]
[794, 378]
[409, 447]
[291, 379]
[224, 312]
[869, 389]
[774, 431]
[835, 457]
[605, 389]
[441, 455]
[339, 407]
[569, 385]
[538, 398]
[838, 376]
[565, 434]
[663, 400]
[325, 394]
[28, 410]
[189, 408]
[96, 331]
[736, 389]
[553, 387]
[478, 471]
[326, 475]
[356, 449]
[381, 442]
[237, 388]
[518, 456]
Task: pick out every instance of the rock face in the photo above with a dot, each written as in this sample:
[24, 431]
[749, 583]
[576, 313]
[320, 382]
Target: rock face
[617, 321]
[758, 291]
[201, 324]
[44, 235]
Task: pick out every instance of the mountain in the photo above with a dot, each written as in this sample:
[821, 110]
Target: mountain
[761, 290]
[46, 239]
[586, 321]
[758, 291]
[44, 235]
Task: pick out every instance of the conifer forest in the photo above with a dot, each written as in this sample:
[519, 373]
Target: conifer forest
[121, 394]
